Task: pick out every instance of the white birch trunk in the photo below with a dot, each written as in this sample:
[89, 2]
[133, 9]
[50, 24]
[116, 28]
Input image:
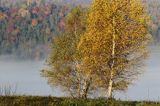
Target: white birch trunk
[112, 62]
[110, 87]
[85, 89]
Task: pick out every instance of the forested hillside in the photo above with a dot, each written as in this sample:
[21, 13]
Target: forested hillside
[27, 29]
[28, 26]
[153, 9]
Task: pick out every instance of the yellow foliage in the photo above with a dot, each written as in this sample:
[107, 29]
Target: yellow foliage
[23, 12]
[116, 40]
[105, 52]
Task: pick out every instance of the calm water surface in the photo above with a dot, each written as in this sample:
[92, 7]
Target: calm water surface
[26, 76]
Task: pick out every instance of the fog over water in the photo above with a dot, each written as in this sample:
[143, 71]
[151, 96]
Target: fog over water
[147, 87]
[25, 74]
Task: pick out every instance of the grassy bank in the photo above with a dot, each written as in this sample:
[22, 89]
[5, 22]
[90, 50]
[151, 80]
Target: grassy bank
[53, 101]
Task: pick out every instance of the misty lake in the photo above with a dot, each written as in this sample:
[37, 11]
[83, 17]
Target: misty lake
[25, 76]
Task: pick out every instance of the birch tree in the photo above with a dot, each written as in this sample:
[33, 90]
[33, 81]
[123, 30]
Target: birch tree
[114, 45]
[64, 62]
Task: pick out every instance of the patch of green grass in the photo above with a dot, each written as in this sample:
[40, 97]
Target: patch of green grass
[53, 101]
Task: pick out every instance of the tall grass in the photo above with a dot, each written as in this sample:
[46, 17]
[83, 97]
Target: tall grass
[53, 101]
[8, 90]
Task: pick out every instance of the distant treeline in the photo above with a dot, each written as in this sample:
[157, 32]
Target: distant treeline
[153, 7]
[27, 29]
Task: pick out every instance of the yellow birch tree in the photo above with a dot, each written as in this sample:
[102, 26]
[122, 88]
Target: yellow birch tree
[114, 45]
[64, 61]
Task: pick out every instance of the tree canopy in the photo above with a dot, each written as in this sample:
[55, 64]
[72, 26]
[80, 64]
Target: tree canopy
[102, 50]
[115, 42]
[65, 59]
